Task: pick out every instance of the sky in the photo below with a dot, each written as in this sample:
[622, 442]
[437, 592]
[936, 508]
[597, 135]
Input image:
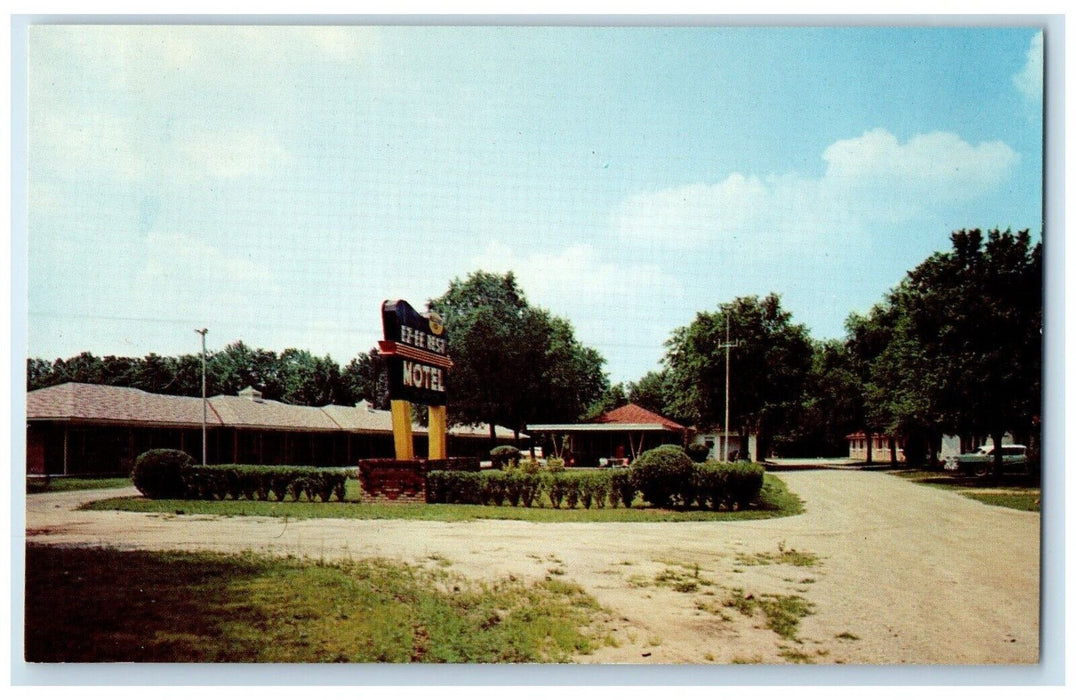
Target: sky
[274, 184]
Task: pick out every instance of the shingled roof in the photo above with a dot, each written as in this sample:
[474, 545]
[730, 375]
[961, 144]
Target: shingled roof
[98, 403]
[255, 412]
[115, 404]
[637, 415]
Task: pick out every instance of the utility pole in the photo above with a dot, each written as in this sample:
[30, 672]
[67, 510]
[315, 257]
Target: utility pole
[202, 332]
[728, 351]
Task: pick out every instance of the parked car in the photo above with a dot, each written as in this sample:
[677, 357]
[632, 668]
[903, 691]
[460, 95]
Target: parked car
[981, 462]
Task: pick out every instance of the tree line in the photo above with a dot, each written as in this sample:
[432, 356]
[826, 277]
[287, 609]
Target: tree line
[955, 348]
[514, 364]
[293, 376]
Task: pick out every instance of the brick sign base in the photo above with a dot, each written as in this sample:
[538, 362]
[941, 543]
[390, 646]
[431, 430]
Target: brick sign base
[404, 480]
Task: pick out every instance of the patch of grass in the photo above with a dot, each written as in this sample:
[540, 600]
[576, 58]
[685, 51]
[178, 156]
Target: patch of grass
[1029, 501]
[780, 503]
[57, 484]
[739, 660]
[182, 607]
[776, 497]
[682, 580]
[712, 608]
[783, 556]
[795, 655]
[1016, 491]
[783, 612]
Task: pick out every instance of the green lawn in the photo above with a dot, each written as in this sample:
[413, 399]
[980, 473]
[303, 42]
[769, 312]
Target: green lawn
[74, 483]
[101, 605]
[1016, 491]
[778, 502]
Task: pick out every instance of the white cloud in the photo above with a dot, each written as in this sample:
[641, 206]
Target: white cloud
[939, 166]
[1029, 80]
[869, 179]
[617, 308]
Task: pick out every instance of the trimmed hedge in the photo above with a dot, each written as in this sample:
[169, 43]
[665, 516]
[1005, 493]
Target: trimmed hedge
[714, 485]
[698, 452]
[159, 473]
[665, 475]
[495, 487]
[502, 455]
[256, 482]
[732, 486]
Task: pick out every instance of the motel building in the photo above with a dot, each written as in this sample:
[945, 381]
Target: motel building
[84, 429]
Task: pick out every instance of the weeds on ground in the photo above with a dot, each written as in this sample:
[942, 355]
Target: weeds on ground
[756, 659]
[183, 607]
[783, 612]
[795, 655]
[783, 555]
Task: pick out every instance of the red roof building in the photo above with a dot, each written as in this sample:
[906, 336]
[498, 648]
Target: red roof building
[634, 414]
[615, 437]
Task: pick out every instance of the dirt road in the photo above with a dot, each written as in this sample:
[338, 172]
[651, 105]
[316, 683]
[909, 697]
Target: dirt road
[904, 573]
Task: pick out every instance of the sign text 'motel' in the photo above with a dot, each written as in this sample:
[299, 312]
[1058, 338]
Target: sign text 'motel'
[416, 351]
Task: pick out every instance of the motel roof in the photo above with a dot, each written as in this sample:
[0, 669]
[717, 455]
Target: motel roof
[249, 410]
[98, 403]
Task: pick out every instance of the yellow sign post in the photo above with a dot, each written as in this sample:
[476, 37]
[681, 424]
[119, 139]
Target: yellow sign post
[416, 352]
[401, 429]
[438, 432]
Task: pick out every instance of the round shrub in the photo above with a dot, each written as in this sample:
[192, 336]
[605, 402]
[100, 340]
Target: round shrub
[664, 476]
[698, 452]
[158, 473]
[502, 455]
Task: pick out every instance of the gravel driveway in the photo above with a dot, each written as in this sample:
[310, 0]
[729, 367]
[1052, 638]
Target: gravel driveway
[904, 574]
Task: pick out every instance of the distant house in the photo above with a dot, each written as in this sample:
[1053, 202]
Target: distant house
[79, 428]
[619, 435]
[879, 447]
[715, 440]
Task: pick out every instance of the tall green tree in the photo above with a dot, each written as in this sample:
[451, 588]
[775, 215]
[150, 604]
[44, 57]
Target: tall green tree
[829, 408]
[366, 377]
[957, 346]
[975, 313]
[768, 367]
[513, 363]
[651, 392]
[868, 337]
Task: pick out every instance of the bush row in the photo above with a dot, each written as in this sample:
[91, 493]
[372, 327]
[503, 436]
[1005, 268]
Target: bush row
[667, 476]
[495, 487]
[172, 474]
[263, 483]
[710, 485]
